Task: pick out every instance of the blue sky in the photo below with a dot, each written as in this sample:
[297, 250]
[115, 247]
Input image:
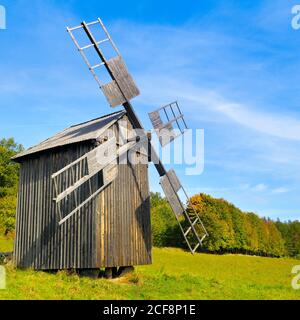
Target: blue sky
[232, 65]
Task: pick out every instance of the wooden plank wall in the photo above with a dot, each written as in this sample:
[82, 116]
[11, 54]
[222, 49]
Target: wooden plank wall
[40, 242]
[124, 215]
[112, 230]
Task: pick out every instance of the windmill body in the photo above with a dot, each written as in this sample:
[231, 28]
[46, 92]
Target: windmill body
[79, 205]
[113, 229]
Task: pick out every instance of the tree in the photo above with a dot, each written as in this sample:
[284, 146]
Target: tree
[231, 230]
[290, 232]
[9, 171]
[9, 176]
[7, 214]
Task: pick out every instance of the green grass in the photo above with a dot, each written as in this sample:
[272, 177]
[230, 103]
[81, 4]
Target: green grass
[175, 274]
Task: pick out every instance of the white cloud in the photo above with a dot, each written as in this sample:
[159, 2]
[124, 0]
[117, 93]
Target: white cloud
[259, 187]
[277, 125]
[239, 188]
[280, 190]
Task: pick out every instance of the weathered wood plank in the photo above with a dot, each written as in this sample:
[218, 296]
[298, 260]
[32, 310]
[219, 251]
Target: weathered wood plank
[172, 197]
[174, 180]
[113, 94]
[123, 78]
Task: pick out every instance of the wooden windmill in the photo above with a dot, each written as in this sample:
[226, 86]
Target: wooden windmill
[78, 206]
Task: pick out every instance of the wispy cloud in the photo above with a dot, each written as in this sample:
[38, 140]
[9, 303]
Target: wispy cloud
[278, 125]
[272, 123]
[259, 187]
[280, 190]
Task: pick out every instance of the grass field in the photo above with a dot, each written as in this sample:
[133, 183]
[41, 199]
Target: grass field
[175, 274]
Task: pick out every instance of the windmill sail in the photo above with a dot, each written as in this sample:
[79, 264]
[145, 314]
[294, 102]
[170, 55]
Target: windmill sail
[120, 90]
[165, 129]
[123, 89]
[190, 224]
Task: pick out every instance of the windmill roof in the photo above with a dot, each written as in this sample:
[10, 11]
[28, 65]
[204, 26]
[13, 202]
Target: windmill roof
[85, 131]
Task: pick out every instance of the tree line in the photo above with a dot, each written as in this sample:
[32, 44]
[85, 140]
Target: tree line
[229, 228]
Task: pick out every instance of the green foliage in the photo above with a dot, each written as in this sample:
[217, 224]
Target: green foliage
[7, 214]
[231, 230]
[6, 244]
[9, 171]
[9, 175]
[165, 229]
[291, 234]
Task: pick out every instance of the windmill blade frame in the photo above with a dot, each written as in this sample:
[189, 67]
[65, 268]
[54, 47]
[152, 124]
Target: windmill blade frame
[119, 92]
[165, 129]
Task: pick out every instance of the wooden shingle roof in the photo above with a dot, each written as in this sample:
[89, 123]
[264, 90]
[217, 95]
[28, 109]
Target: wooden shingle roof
[89, 130]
